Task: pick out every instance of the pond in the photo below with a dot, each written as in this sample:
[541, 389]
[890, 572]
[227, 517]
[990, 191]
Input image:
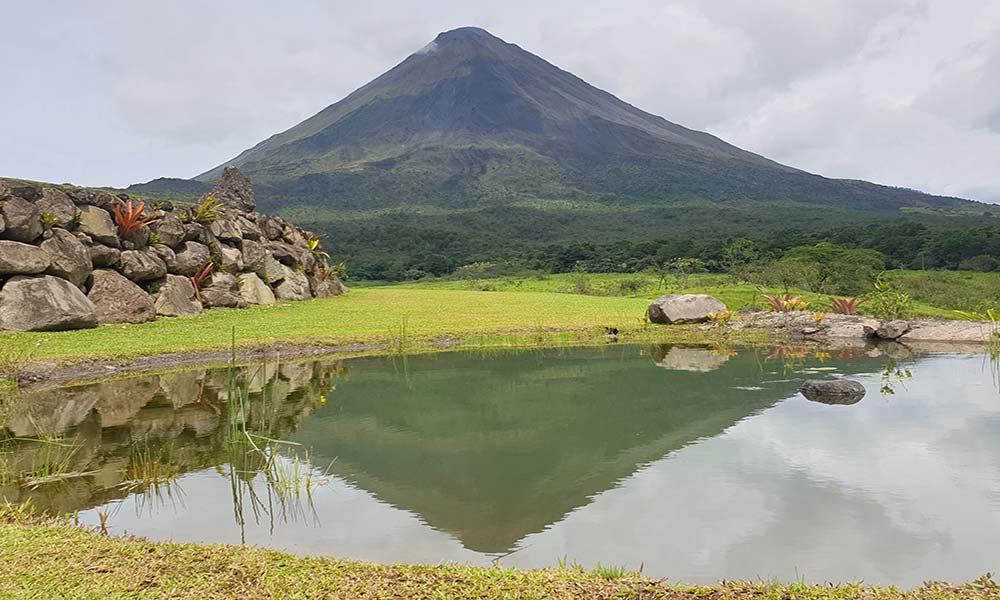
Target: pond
[695, 464]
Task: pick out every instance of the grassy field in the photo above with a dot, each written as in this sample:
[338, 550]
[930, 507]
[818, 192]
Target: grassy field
[43, 561]
[505, 311]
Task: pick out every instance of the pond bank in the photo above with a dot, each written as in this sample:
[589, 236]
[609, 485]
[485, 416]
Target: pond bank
[53, 559]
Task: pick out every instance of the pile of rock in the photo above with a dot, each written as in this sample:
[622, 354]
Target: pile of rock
[65, 263]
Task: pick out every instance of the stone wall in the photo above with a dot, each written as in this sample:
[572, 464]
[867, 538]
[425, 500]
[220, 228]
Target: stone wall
[66, 264]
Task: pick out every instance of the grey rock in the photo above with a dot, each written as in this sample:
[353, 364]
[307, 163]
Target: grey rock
[44, 303]
[176, 298]
[254, 255]
[326, 287]
[233, 190]
[273, 272]
[227, 230]
[22, 220]
[189, 259]
[249, 228]
[17, 258]
[104, 256]
[142, 265]
[231, 258]
[195, 232]
[294, 285]
[834, 391]
[22, 189]
[891, 330]
[270, 227]
[70, 258]
[254, 290]
[222, 291]
[118, 300]
[164, 252]
[3, 223]
[677, 309]
[294, 236]
[169, 229]
[698, 360]
[56, 203]
[97, 223]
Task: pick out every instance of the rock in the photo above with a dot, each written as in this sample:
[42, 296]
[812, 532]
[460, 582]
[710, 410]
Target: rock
[249, 228]
[834, 391]
[294, 285]
[44, 303]
[97, 223]
[677, 309]
[891, 330]
[286, 254]
[254, 290]
[938, 330]
[103, 256]
[273, 271]
[190, 259]
[176, 298]
[22, 259]
[118, 300]
[231, 258]
[22, 220]
[326, 287]
[293, 236]
[222, 291]
[848, 326]
[195, 232]
[56, 203]
[227, 230]
[165, 253]
[270, 227]
[254, 255]
[169, 229]
[233, 191]
[70, 258]
[22, 189]
[3, 223]
[142, 265]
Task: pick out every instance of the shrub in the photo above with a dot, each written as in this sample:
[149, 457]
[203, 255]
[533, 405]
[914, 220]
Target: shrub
[983, 263]
[888, 302]
[831, 269]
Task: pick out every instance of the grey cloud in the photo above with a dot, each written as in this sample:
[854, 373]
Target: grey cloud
[119, 91]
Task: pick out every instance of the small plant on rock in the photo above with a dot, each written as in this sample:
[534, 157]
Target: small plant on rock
[785, 303]
[200, 278]
[129, 219]
[49, 220]
[207, 210]
[721, 318]
[818, 317]
[313, 245]
[846, 306]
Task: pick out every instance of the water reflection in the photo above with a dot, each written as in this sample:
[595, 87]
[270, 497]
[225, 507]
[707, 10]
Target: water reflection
[699, 463]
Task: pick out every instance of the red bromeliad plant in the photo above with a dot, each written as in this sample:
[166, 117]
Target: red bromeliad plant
[786, 303]
[130, 219]
[200, 278]
[846, 306]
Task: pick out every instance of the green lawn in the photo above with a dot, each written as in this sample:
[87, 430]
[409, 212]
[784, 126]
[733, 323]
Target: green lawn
[546, 309]
[57, 560]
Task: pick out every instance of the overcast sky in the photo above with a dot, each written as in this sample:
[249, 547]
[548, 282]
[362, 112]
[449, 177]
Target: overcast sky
[902, 92]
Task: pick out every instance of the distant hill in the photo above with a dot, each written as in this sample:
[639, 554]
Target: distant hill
[472, 142]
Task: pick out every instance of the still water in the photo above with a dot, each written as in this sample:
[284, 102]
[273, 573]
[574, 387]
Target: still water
[697, 464]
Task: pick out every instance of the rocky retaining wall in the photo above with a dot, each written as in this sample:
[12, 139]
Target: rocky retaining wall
[65, 262]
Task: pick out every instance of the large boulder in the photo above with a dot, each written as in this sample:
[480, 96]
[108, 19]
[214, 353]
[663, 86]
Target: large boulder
[21, 189]
[254, 254]
[272, 271]
[254, 290]
[118, 300]
[677, 309]
[294, 285]
[97, 223]
[249, 228]
[233, 191]
[889, 330]
[22, 219]
[227, 230]
[44, 303]
[834, 391]
[270, 227]
[230, 258]
[55, 202]
[326, 287]
[189, 259]
[169, 229]
[70, 258]
[222, 291]
[142, 265]
[17, 258]
[176, 298]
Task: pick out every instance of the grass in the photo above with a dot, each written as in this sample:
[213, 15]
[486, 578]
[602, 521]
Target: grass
[43, 559]
[504, 311]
